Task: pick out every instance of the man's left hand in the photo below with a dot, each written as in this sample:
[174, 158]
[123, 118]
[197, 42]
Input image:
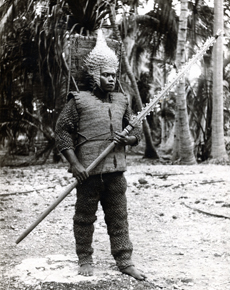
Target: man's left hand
[124, 140]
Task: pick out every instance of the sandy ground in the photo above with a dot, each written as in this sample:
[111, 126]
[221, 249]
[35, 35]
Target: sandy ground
[179, 220]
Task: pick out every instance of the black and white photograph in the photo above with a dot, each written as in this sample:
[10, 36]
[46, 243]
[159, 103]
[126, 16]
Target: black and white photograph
[115, 144]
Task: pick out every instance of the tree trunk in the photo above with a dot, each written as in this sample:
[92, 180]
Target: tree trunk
[218, 148]
[186, 153]
[176, 144]
[150, 151]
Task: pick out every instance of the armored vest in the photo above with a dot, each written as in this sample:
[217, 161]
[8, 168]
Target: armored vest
[97, 123]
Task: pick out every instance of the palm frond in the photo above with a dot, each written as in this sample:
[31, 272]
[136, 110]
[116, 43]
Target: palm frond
[88, 15]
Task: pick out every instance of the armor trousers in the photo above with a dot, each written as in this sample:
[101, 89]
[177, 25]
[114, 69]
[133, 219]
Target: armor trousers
[110, 190]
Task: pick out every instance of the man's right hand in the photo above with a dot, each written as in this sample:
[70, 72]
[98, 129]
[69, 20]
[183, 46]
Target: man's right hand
[79, 172]
[77, 168]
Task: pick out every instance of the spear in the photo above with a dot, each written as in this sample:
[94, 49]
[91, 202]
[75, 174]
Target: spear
[139, 118]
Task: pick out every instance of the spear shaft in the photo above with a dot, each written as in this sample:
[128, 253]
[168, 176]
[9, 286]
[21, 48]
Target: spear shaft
[70, 187]
[140, 117]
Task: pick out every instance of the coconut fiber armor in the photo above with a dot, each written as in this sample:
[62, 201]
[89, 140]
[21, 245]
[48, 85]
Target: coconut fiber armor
[98, 121]
[110, 190]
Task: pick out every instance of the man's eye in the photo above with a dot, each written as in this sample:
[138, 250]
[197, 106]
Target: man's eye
[106, 75]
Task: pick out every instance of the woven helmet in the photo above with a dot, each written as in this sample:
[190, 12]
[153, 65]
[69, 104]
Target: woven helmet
[100, 57]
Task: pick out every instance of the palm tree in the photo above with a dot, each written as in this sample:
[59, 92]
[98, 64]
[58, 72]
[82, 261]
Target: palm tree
[184, 144]
[18, 67]
[146, 35]
[227, 101]
[218, 147]
[31, 71]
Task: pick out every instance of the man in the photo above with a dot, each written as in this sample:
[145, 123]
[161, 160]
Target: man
[86, 126]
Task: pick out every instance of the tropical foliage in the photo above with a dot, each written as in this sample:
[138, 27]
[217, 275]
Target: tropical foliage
[34, 78]
[31, 73]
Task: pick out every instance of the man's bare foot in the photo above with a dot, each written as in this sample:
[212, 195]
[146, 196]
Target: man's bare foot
[86, 270]
[132, 271]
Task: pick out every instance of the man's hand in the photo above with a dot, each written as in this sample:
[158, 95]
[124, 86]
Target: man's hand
[124, 140]
[77, 168]
[79, 172]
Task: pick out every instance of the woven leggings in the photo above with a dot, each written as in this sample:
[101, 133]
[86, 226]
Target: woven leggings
[110, 190]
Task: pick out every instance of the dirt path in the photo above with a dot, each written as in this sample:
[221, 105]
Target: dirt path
[177, 225]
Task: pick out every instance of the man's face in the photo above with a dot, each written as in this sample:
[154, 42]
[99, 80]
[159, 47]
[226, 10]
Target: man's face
[108, 79]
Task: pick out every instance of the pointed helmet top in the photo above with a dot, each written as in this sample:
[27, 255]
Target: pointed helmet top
[100, 57]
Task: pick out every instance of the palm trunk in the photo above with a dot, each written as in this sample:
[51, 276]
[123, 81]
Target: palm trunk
[186, 144]
[163, 119]
[218, 149]
[176, 144]
[205, 121]
[150, 150]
